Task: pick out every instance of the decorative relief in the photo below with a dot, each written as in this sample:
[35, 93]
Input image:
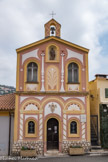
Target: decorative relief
[64, 126]
[31, 107]
[42, 73]
[73, 87]
[74, 107]
[83, 131]
[72, 54]
[83, 69]
[52, 107]
[52, 79]
[52, 53]
[31, 87]
[21, 127]
[62, 73]
[40, 126]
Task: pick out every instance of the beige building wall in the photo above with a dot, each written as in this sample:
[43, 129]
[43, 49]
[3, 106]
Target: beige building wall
[101, 85]
[97, 97]
[93, 97]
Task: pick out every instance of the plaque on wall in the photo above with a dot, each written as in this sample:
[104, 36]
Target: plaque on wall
[83, 118]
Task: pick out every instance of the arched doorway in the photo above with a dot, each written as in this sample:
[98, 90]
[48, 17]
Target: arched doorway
[52, 134]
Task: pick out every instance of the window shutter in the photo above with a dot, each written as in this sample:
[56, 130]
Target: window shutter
[106, 92]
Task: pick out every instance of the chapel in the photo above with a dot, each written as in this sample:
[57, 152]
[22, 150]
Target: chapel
[52, 109]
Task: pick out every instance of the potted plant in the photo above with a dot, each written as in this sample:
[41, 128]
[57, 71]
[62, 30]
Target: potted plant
[76, 150]
[27, 152]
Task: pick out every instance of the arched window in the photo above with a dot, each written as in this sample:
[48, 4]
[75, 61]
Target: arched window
[73, 127]
[73, 73]
[32, 72]
[31, 127]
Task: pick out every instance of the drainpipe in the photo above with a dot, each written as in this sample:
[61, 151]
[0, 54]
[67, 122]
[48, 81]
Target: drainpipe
[9, 134]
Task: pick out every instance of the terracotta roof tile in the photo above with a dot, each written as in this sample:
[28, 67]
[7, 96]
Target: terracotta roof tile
[7, 102]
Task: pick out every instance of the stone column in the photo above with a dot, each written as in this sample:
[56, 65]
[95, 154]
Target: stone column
[42, 73]
[62, 74]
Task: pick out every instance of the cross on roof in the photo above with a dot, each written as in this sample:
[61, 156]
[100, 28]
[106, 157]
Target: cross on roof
[53, 14]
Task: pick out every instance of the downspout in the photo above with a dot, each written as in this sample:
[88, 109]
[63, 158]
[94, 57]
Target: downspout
[9, 134]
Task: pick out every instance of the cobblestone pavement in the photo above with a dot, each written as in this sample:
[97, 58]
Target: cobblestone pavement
[64, 159]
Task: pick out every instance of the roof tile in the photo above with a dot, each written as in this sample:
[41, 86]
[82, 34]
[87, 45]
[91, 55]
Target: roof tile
[7, 102]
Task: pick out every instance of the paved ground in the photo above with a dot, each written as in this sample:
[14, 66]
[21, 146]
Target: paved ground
[76, 159]
[67, 159]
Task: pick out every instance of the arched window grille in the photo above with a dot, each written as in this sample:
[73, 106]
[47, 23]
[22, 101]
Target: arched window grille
[32, 72]
[73, 127]
[31, 127]
[73, 73]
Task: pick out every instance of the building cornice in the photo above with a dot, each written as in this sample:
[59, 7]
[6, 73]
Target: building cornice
[53, 93]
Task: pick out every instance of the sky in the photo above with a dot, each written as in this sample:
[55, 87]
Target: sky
[83, 22]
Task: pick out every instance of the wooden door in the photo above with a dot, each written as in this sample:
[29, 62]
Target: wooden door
[52, 134]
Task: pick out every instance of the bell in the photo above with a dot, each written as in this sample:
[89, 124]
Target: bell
[52, 30]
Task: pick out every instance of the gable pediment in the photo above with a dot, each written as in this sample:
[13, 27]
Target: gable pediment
[50, 39]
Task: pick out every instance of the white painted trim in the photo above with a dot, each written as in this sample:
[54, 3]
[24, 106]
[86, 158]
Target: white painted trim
[30, 54]
[72, 54]
[42, 73]
[62, 74]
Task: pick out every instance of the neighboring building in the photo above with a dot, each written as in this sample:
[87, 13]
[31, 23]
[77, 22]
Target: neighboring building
[7, 106]
[52, 99]
[6, 89]
[99, 110]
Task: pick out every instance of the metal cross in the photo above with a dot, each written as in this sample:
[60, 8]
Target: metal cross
[53, 14]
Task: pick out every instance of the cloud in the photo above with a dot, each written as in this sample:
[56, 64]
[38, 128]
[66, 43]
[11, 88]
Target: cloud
[22, 22]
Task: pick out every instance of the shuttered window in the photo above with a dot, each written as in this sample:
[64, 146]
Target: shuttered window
[106, 92]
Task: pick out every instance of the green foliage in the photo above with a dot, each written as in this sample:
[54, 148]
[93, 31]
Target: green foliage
[26, 148]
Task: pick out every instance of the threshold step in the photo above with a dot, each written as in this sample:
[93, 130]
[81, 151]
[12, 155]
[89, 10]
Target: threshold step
[96, 147]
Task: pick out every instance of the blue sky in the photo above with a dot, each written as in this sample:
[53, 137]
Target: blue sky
[83, 22]
[104, 42]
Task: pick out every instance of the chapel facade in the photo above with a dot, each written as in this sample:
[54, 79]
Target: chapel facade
[52, 100]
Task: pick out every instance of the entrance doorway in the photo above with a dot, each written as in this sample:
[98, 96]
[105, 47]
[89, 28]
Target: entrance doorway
[52, 134]
[104, 125]
[94, 130]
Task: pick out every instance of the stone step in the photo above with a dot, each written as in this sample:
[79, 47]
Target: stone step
[96, 147]
[53, 153]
